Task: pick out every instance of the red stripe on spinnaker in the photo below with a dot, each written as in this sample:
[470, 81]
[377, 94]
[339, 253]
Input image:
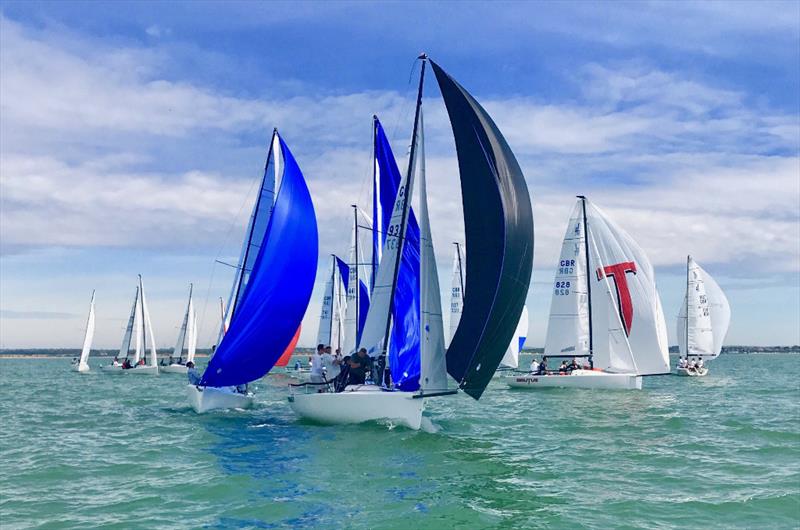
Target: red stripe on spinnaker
[284, 359]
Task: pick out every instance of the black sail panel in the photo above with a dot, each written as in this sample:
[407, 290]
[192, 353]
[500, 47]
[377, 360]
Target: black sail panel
[498, 222]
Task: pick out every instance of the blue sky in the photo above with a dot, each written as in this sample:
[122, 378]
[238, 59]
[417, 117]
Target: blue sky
[131, 133]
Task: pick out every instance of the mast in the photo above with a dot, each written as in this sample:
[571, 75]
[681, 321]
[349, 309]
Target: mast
[356, 287]
[376, 232]
[686, 327]
[588, 278]
[253, 224]
[333, 288]
[401, 236]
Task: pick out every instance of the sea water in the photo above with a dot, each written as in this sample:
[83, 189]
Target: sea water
[98, 450]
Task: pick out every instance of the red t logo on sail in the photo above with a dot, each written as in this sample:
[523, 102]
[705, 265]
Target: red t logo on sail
[617, 272]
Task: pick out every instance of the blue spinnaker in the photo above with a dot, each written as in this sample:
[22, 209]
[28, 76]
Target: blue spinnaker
[363, 306]
[404, 362]
[278, 290]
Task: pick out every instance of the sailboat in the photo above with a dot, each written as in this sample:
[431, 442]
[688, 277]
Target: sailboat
[140, 330]
[187, 336]
[703, 319]
[271, 288]
[605, 309]
[334, 304]
[510, 360]
[82, 366]
[499, 234]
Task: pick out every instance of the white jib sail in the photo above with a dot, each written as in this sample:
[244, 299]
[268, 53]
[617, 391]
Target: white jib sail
[375, 329]
[177, 351]
[628, 327]
[511, 358]
[153, 357]
[456, 290]
[720, 310]
[568, 325]
[89, 335]
[126, 338]
[433, 368]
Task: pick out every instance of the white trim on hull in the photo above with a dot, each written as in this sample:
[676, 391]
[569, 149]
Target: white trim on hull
[577, 379]
[691, 373]
[174, 369]
[359, 404]
[212, 398]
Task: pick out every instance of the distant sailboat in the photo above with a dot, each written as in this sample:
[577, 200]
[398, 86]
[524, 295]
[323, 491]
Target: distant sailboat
[456, 290]
[187, 337]
[510, 360]
[271, 288]
[499, 237]
[82, 366]
[605, 309]
[703, 319]
[140, 330]
[334, 304]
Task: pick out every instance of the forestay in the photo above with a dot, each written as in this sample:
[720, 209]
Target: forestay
[498, 223]
[629, 334]
[279, 287]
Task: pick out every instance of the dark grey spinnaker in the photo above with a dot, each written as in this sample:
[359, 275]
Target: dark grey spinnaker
[498, 222]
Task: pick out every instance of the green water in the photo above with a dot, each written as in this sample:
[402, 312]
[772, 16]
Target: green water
[126, 452]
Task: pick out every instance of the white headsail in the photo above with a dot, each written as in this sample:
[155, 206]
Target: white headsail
[708, 312]
[628, 331]
[138, 327]
[433, 369]
[148, 327]
[332, 314]
[352, 303]
[191, 333]
[87, 338]
[456, 290]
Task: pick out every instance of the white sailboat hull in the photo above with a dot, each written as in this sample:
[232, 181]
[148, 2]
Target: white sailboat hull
[359, 404]
[111, 369]
[81, 368]
[578, 379]
[142, 370]
[204, 399]
[691, 373]
[175, 369]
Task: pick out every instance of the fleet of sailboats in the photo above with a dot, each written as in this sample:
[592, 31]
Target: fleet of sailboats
[385, 299]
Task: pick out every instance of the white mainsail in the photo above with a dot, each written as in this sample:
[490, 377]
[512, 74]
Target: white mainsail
[433, 369]
[177, 351]
[126, 338]
[191, 332]
[511, 358]
[87, 338]
[568, 325]
[456, 290]
[709, 315]
[628, 328]
[148, 327]
[326, 310]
